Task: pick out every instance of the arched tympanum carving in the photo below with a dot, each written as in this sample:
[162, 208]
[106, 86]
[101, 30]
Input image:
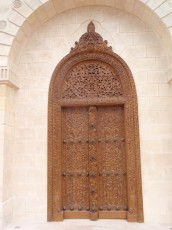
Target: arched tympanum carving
[91, 93]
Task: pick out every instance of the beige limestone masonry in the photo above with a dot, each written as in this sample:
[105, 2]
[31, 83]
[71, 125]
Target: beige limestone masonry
[7, 107]
[23, 113]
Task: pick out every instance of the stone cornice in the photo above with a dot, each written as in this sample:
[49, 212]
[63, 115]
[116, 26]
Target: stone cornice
[8, 77]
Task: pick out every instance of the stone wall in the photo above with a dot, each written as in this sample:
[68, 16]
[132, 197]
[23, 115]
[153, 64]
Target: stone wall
[135, 42]
[7, 132]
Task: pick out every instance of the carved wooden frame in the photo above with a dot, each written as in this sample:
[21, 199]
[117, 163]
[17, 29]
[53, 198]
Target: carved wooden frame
[92, 47]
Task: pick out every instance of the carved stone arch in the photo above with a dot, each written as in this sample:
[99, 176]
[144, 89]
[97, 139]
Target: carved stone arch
[92, 75]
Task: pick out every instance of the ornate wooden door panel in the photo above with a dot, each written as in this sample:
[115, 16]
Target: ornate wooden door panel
[75, 160]
[93, 136]
[93, 162]
[112, 162]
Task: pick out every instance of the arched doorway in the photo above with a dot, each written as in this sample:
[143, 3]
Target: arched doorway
[93, 141]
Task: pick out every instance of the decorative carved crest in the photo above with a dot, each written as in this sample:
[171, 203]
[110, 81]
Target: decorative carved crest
[91, 41]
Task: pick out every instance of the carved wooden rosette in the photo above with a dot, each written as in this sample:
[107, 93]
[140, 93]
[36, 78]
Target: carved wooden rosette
[94, 78]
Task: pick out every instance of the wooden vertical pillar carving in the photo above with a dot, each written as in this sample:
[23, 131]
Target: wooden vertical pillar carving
[93, 174]
[57, 166]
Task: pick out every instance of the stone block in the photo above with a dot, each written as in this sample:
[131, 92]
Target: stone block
[167, 175]
[2, 103]
[31, 108]
[43, 82]
[50, 9]
[9, 118]
[144, 38]
[60, 44]
[11, 29]
[155, 51]
[121, 41]
[140, 78]
[25, 10]
[41, 14]
[163, 10]
[67, 30]
[49, 56]
[162, 63]
[3, 91]
[22, 95]
[25, 133]
[161, 103]
[157, 131]
[7, 193]
[23, 70]
[38, 120]
[129, 5]
[165, 90]
[36, 205]
[155, 146]
[148, 117]
[33, 4]
[19, 176]
[16, 17]
[29, 57]
[4, 50]
[4, 60]
[38, 44]
[50, 31]
[33, 22]
[132, 25]
[27, 28]
[2, 117]
[9, 132]
[7, 211]
[42, 133]
[143, 103]
[39, 94]
[147, 90]
[131, 52]
[6, 39]
[170, 30]
[153, 174]
[20, 209]
[142, 64]
[35, 177]
[26, 162]
[157, 77]
[154, 4]
[165, 117]
[36, 69]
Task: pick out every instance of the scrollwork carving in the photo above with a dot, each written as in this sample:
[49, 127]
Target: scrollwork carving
[92, 79]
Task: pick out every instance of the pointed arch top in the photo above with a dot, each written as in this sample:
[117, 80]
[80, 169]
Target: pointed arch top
[92, 74]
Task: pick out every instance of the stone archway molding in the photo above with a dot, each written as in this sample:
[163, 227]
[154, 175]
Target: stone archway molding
[25, 16]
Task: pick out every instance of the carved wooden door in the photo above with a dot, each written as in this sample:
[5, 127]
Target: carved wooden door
[93, 137]
[94, 168]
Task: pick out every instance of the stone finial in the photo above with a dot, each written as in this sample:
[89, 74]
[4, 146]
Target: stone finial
[91, 27]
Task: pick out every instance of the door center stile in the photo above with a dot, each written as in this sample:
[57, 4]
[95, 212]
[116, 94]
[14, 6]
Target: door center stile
[93, 163]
